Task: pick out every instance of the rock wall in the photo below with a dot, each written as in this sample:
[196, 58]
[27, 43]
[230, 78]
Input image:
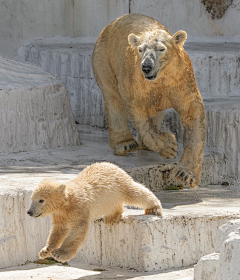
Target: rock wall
[23, 19]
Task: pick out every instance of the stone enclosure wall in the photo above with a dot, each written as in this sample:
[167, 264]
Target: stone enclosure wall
[23, 19]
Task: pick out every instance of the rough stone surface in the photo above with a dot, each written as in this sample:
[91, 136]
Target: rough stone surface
[228, 267]
[224, 263]
[76, 270]
[216, 67]
[35, 111]
[217, 8]
[224, 231]
[191, 217]
[168, 13]
[206, 267]
[139, 242]
[144, 166]
[23, 19]
[145, 243]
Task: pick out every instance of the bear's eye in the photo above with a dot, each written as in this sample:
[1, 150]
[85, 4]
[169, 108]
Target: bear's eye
[140, 50]
[41, 200]
[161, 49]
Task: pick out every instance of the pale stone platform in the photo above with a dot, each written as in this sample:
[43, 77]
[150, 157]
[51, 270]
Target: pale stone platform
[223, 264]
[35, 112]
[76, 270]
[185, 233]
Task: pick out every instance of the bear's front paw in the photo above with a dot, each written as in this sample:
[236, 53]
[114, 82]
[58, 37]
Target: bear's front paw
[121, 149]
[185, 177]
[44, 253]
[62, 255]
[170, 146]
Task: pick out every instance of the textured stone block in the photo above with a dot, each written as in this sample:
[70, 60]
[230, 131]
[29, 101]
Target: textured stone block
[35, 111]
[150, 243]
[206, 267]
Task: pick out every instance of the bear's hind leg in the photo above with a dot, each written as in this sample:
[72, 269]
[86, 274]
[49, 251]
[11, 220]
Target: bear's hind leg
[138, 195]
[120, 137]
[156, 210]
[115, 217]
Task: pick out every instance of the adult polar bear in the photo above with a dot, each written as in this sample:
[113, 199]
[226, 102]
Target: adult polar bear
[142, 70]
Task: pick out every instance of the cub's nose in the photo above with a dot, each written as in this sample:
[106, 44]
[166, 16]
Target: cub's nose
[147, 66]
[29, 212]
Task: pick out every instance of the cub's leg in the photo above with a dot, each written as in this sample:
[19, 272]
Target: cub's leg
[75, 239]
[57, 234]
[115, 217]
[138, 195]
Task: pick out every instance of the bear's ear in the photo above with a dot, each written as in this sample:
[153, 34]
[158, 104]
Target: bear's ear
[180, 37]
[62, 188]
[133, 40]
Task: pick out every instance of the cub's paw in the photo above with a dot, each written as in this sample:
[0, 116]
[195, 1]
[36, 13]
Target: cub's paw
[170, 145]
[121, 149]
[112, 220]
[62, 255]
[186, 177]
[156, 210]
[44, 253]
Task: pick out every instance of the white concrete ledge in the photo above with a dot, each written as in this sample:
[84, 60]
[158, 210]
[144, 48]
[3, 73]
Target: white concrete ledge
[186, 232]
[224, 264]
[150, 243]
[35, 111]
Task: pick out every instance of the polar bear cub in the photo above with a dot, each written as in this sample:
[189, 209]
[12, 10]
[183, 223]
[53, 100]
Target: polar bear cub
[99, 190]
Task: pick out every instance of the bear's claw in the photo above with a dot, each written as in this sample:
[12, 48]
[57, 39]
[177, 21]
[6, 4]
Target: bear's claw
[186, 177]
[123, 148]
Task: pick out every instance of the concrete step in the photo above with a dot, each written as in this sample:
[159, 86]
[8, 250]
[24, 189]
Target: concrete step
[186, 232]
[76, 270]
[216, 66]
[35, 111]
[223, 263]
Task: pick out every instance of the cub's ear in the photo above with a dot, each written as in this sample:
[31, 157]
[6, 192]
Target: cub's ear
[62, 188]
[133, 40]
[179, 37]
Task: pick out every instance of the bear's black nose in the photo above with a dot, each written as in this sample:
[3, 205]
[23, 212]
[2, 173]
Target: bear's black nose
[147, 66]
[30, 213]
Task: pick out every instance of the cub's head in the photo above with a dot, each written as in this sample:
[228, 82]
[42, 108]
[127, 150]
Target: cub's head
[47, 198]
[155, 49]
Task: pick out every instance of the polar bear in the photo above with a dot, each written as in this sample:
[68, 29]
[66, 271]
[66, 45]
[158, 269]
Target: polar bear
[143, 70]
[99, 190]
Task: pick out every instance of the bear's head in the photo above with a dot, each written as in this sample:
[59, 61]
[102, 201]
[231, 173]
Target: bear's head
[156, 50]
[48, 197]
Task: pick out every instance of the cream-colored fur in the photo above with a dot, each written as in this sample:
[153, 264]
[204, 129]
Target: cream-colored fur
[99, 190]
[123, 53]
